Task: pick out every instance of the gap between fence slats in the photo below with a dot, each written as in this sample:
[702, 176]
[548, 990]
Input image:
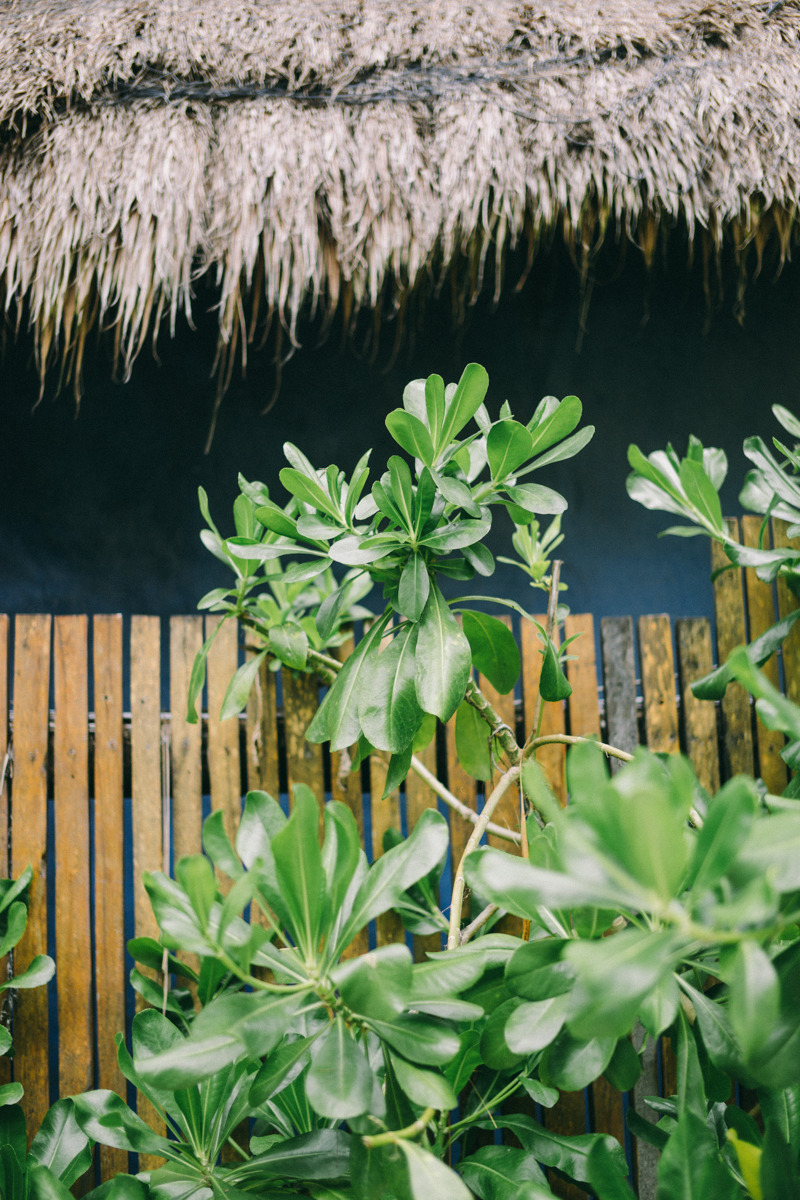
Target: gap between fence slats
[619, 685]
[5, 790]
[729, 613]
[146, 802]
[109, 907]
[693, 637]
[29, 847]
[788, 602]
[658, 684]
[551, 758]
[224, 767]
[761, 614]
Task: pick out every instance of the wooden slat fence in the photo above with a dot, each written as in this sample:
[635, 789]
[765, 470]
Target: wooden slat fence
[76, 773]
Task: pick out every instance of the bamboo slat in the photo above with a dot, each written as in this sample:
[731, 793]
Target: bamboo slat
[761, 614]
[693, 635]
[29, 847]
[346, 788]
[658, 684]
[262, 733]
[788, 602]
[146, 801]
[568, 1118]
[71, 793]
[185, 640]
[109, 921]
[619, 685]
[553, 757]
[303, 759]
[224, 768]
[5, 791]
[729, 612]
[465, 789]
[584, 709]
[385, 815]
[507, 812]
[419, 797]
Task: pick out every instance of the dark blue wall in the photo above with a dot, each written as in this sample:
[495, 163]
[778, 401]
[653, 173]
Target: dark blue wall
[99, 513]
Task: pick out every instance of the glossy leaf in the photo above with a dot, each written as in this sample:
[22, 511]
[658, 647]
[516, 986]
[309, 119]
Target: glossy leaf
[536, 500]
[572, 1063]
[421, 1039]
[410, 433]
[61, 1144]
[608, 1183]
[658, 1008]
[426, 1176]
[508, 446]
[718, 1037]
[625, 1067]
[289, 643]
[44, 1185]
[566, 1153]
[685, 1159]
[415, 586]
[497, 1172]
[613, 977]
[472, 742]
[377, 984]
[339, 1082]
[106, 1119]
[538, 969]
[336, 719]
[553, 683]
[534, 1025]
[494, 650]
[196, 877]
[298, 868]
[556, 426]
[467, 399]
[725, 829]
[217, 846]
[388, 711]
[428, 1088]
[443, 659]
[240, 686]
[322, 1154]
[40, 970]
[754, 998]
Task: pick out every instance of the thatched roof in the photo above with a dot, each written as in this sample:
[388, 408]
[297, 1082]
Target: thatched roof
[338, 151]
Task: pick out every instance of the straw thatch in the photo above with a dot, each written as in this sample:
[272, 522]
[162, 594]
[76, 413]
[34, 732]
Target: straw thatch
[337, 152]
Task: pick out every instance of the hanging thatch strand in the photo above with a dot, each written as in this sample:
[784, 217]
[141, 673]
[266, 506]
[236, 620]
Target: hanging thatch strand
[322, 151]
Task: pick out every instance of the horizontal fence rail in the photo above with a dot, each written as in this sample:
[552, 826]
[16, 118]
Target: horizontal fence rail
[91, 799]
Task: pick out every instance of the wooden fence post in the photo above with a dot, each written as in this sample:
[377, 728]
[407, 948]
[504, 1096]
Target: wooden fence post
[729, 610]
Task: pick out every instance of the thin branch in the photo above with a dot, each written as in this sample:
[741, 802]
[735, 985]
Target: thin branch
[568, 739]
[469, 814]
[396, 1135]
[470, 930]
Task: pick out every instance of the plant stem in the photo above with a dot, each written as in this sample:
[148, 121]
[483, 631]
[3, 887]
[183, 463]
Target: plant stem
[441, 791]
[552, 612]
[505, 782]
[573, 740]
[395, 1135]
[477, 924]
[500, 730]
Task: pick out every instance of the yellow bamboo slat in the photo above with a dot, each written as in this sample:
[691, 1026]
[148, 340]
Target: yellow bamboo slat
[185, 640]
[761, 615]
[551, 758]
[5, 791]
[146, 801]
[788, 602]
[465, 789]
[29, 848]
[729, 613]
[303, 759]
[224, 767]
[584, 709]
[693, 635]
[73, 886]
[419, 797]
[109, 920]
[658, 684]
[262, 731]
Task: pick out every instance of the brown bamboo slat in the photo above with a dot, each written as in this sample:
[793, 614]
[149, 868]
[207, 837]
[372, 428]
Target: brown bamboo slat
[71, 794]
[29, 847]
[693, 636]
[729, 612]
[262, 732]
[788, 602]
[419, 797]
[619, 685]
[658, 684]
[303, 759]
[109, 865]
[185, 640]
[5, 791]
[507, 812]
[761, 614]
[224, 768]
[146, 800]
[346, 788]
[385, 815]
[465, 789]
[553, 757]
[584, 709]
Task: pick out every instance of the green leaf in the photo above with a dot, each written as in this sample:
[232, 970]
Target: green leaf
[625, 1067]
[11, 1093]
[553, 683]
[278, 1068]
[309, 491]
[568, 449]
[434, 407]
[409, 432]
[415, 585]
[399, 766]
[425, 733]
[520, 889]
[456, 493]
[196, 877]
[701, 493]
[604, 1175]
[725, 830]
[443, 659]
[120, 1187]
[613, 977]
[456, 535]
[419, 1038]
[566, 1153]
[108, 1120]
[44, 1185]
[546, 1096]
[323, 1154]
[428, 1088]
[718, 1037]
[388, 712]
[685, 1158]
[533, 1026]
[336, 719]
[377, 984]
[556, 426]
[494, 650]
[298, 868]
[496, 1051]
[571, 1063]
[16, 921]
[41, 970]
[289, 643]
[480, 558]
[508, 446]
[400, 482]
[426, 1176]
[272, 517]
[328, 613]
[239, 687]
[754, 997]
[467, 399]
[61, 1144]
[497, 1172]
[657, 1010]
[217, 846]
[691, 1088]
[538, 970]
[778, 1174]
[340, 855]
[534, 498]
[472, 742]
[5, 1040]
[198, 675]
[339, 1082]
